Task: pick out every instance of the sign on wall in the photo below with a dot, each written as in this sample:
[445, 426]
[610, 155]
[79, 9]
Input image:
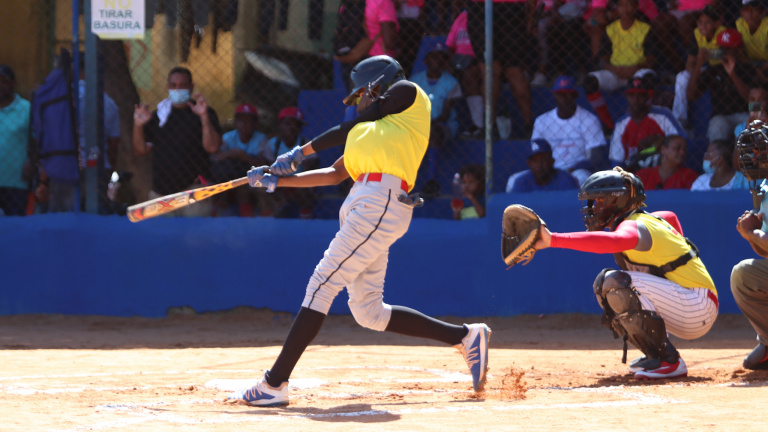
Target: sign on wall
[117, 19]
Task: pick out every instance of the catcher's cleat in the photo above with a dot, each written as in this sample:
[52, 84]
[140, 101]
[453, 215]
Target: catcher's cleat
[474, 348]
[665, 370]
[643, 362]
[757, 359]
[262, 394]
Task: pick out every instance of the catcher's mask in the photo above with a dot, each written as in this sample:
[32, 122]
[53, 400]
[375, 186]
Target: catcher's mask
[752, 145]
[381, 71]
[609, 195]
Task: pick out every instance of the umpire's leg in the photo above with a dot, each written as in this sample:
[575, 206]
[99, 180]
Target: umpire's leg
[749, 285]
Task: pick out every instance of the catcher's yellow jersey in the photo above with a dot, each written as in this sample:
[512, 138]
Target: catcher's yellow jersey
[392, 145]
[668, 245]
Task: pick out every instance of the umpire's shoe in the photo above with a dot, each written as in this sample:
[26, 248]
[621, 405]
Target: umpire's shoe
[474, 348]
[263, 394]
[757, 359]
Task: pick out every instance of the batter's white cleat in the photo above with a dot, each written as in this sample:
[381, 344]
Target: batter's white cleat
[474, 348]
[665, 370]
[263, 394]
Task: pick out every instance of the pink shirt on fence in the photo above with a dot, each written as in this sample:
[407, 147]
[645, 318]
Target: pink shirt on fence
[690, 5]
[458, 38]
[376, 12]
[648, 7]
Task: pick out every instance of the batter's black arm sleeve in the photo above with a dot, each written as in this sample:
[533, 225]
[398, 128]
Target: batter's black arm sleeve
[396, 100]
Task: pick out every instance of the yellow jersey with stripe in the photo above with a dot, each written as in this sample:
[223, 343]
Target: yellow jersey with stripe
[394, 144]
[668, 245]
[627, 45]
[755, 44]
[710, 45]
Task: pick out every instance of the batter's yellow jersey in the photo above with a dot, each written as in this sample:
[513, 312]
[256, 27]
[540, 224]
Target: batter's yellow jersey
[667, 246]
[755, 44]
[394, 144]
[627, 45]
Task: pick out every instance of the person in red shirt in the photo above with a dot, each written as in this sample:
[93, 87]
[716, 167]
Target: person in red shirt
[670, 173]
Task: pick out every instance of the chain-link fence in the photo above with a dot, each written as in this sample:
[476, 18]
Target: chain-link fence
[577, 86]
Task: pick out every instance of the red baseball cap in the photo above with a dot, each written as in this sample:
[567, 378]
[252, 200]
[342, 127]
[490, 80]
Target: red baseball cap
[729, 38]
[636, 85]
[247, 109]
[291, 112]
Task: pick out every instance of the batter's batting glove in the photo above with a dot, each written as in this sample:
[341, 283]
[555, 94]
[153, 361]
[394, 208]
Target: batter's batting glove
[287, 163]
[259, 179]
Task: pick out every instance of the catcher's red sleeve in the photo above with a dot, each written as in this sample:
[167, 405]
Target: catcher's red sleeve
[624, 238]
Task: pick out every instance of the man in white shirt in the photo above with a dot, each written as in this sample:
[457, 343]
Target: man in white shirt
[575, 134]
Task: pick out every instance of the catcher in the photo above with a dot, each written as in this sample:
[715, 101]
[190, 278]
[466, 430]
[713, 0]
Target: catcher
[662, 286]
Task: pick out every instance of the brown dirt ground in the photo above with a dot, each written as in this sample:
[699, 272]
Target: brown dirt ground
[547, 373]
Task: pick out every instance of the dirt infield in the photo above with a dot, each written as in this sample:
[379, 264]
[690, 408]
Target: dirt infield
[550, 373]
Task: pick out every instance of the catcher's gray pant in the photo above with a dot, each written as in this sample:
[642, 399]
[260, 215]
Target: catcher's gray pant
[749, 285]
[372, 219]
[687, 312]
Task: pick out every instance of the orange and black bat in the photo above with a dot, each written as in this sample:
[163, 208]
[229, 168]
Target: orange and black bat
[169, 203]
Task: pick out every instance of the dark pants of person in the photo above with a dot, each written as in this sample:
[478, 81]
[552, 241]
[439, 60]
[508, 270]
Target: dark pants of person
[13, 201]
[749, 285]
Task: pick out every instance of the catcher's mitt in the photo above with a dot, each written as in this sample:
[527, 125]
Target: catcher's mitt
[520, 229]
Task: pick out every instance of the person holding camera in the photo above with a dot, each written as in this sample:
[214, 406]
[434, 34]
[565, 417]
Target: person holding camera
[728, 82]
[708, 28]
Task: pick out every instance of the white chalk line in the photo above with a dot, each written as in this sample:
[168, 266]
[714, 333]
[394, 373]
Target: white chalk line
[144, 413]
[140, 413]
[29, 389]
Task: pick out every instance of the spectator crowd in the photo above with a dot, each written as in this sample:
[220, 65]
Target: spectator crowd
[657, 59]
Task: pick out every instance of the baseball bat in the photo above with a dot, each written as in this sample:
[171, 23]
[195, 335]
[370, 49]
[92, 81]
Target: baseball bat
[168, 203]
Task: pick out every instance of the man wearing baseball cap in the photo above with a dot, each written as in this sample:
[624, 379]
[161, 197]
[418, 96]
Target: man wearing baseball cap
[287, 202]
[641, 127]
[240, 150]
[575, 134]
[541, 174]
[728, 83]
[14, 134]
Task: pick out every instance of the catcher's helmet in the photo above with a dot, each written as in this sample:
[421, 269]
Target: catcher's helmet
[609, 195]
[381, 70]
[753, 151]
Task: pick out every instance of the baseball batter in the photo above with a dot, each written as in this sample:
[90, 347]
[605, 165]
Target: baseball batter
[663, 286]
[384, 147]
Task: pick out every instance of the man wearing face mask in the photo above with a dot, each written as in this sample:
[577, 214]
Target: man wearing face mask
[181, 133]
[718, 169]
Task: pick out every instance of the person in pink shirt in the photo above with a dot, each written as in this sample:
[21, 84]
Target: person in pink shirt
[469, 71]
[382, 27]
[381, 21]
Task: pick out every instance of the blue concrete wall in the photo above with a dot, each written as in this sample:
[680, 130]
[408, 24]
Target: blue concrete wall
[86, 264]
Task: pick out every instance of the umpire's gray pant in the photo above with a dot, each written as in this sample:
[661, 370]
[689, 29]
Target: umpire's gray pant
[749, 284]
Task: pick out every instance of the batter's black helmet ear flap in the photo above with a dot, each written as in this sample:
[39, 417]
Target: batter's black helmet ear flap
[382, 71]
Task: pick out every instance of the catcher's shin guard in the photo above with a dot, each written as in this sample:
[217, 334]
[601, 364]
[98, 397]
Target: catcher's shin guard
[643, 329]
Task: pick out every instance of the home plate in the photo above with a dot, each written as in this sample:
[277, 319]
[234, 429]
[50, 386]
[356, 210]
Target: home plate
[239, 384]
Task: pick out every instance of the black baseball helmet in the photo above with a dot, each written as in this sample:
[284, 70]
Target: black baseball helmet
[608, 197]
[752, 145]
[382, 71]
